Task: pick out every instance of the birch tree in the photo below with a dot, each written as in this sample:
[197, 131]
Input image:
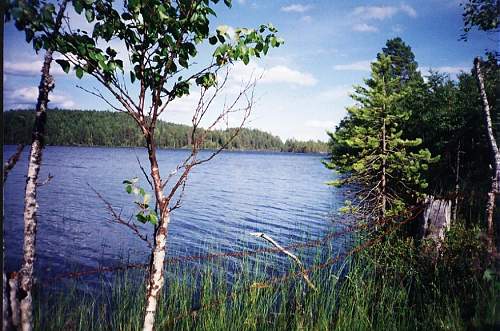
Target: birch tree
[494, 156]
[161, 64]
[41, 24]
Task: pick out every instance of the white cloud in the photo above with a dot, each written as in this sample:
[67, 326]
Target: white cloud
[383, 12]
[275, 74]
[354, 66]
[30, 68]
[27, 97]
[363, 27]
[306, 19]
[336, 93]
[187, 103]
[375, 12]
[296, 8]
[408, 10]
[452, 70]
[321, 124]
[397, 28]
[283, 74]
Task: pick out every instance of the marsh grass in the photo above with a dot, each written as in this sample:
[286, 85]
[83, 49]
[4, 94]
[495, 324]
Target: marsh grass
[387, 287]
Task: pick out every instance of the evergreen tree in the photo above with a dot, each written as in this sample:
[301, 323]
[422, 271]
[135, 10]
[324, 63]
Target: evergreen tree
[403, 63]
[369, 151]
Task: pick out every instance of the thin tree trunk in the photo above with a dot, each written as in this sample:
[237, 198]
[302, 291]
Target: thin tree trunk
[495, 157]
[13, 299]
[156, 275]
[457, 185]
[383, 183]
[30, 203]
[8, 166]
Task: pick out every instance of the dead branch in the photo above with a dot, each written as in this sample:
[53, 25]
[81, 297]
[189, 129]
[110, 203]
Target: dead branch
[11, 162]
[144, 172]
[46, 181]
[119, 220]
[291, 255]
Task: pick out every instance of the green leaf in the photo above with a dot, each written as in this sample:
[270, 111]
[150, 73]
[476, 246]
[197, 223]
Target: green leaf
[89, 15]
[111, 52]
[153, 219]
[228, 3]
[79, 72]
[146, 200]
[37, 45]
[212, 40]
[141, 218]
[128, 189]
[78, 5]
[29, 35]
[64, 65]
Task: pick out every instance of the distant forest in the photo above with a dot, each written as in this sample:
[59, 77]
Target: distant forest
[105, 128]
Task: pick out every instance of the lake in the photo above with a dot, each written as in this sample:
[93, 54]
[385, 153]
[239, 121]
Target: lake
[281, 194]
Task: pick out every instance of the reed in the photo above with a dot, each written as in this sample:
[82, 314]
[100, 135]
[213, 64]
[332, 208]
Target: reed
[390, 286]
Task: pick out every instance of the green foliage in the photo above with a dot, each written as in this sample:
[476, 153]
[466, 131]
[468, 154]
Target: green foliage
[403, 64]
[448, 119]
[161, 39]
[37, 18]
[482, 14]
[145, 214]
[368, 147]
[104, 128]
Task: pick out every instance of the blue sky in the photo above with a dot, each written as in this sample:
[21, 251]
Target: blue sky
[306, 82]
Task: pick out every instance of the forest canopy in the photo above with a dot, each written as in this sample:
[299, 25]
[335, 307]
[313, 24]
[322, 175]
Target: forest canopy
[106, 128]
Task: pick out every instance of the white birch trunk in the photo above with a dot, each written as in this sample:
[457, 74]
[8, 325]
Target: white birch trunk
[156, 269]
[30, 203]
[13, 300]
[156, 275]
[495, 157]
[5, 307]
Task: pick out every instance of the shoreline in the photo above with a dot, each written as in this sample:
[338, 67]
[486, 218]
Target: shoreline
[263, 151]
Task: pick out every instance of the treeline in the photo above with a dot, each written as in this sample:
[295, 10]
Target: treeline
[105, 128]
[436, 115]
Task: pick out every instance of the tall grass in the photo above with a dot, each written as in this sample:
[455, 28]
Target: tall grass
[391, 286]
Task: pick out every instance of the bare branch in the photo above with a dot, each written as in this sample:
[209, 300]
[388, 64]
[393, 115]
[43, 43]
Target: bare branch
[11, 162]
[46, 181]
[291, 255]
[144, 172]
[119, 220]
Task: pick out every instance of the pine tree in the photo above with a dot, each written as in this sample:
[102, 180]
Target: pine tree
[368, 150]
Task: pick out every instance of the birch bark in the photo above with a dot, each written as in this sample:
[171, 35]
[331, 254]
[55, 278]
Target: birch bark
[30, 202]
[156, 274]
[495, 156]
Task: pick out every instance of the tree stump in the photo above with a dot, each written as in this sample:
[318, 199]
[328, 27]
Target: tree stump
[436, 220]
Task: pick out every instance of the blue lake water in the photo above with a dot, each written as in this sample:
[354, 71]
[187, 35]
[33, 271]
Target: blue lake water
[281, 194]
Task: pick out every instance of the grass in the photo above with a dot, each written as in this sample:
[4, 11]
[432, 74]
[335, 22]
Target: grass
[391, 286]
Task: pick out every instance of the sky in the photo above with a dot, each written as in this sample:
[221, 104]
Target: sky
[305, 83]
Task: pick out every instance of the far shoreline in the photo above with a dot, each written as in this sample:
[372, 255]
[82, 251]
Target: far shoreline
[232, 150]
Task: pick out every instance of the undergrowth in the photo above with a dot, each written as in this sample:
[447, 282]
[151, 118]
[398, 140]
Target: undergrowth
[392, 285]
